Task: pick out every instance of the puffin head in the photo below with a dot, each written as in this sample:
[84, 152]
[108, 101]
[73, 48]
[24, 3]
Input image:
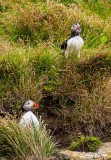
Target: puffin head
[76, 28]
[30, 106]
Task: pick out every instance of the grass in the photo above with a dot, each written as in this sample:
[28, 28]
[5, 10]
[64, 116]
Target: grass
[20, 144]
[51, 21]
[32, 65]
[88, 143]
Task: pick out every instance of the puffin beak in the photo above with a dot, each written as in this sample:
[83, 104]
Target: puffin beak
[36, 106]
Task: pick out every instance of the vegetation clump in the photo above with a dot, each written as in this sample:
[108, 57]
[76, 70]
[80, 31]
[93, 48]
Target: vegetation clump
[88, 143]
[23, 143]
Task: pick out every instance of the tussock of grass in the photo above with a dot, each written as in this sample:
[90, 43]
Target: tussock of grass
[20, 144]
[88, 143]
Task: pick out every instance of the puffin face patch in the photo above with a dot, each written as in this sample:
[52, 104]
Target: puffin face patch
[28, 105]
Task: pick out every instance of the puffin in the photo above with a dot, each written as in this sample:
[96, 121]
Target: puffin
[74, 43]
[28, 117]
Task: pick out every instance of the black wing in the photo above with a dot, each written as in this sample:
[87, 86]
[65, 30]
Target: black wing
[64, 45]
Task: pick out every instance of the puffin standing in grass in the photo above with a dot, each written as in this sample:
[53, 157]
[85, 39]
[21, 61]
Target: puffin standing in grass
[74, 43]
[29, 117]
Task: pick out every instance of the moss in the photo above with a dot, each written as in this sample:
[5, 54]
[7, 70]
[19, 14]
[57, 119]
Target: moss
[88, 143]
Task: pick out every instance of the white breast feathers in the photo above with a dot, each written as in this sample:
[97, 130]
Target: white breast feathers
[28, 119]
[74, 44]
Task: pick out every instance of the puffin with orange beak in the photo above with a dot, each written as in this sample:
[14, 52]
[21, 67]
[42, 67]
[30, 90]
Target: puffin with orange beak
[28, 116]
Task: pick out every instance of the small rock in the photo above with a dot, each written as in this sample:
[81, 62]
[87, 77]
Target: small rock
[105, 148]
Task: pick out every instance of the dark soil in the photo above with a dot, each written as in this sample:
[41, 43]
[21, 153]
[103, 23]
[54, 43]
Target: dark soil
[54, 123]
